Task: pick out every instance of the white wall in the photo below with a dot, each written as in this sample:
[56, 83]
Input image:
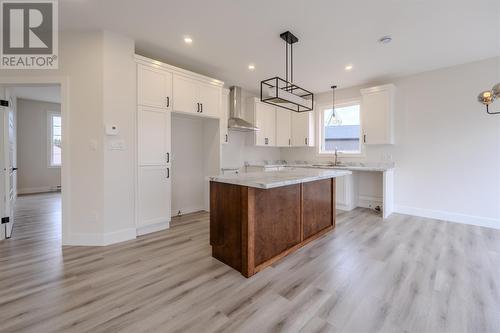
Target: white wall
[120, 109]
[98, 200]
[34, 174]
[447, 150]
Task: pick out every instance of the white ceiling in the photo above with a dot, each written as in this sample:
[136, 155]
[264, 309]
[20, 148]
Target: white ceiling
[228, 35]
[45, 93]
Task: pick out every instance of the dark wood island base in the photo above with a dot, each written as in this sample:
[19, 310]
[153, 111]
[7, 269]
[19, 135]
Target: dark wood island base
[251, 228]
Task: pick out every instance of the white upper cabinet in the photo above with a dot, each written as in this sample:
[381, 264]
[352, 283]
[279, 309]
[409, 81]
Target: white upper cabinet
[185, 93]
[224, 116]
[303, 129]
[209, 98]
[283, 127]
[377, 109]
[154, 87]
[193, 96]
[264, 117]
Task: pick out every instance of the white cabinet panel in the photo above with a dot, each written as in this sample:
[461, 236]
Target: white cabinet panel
[154, 87]
[224, 116]
[153, 195]
[209, 98]
[185, 92]
[283, 127]
[153, 136]
[347, 192]
[265, 119]
[153, 166]
[377, 108]
[303, 129]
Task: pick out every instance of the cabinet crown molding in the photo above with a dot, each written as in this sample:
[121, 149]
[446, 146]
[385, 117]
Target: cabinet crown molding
[176, 70]
[375, 89]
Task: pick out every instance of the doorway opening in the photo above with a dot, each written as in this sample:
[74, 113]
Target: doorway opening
[32, 151]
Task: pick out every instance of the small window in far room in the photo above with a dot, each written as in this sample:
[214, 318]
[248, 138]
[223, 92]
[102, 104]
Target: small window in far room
[341, 130]
[55, 139]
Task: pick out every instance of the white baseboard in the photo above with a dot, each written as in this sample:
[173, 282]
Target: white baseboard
[152, 228]
[34, 190]
[344, 207]
[369, 201]
[119, 236]
[189, 210]
[104, 239]
[449, 216]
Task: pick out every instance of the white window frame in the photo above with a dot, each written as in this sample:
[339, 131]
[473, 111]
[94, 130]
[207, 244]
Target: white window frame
[320, 132]
[50, 115]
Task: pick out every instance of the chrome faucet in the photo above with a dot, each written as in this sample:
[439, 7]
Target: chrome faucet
[336, 160]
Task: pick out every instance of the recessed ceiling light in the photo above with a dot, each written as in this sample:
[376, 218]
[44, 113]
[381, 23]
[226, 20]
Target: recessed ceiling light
[385, 39]
[188, 40]
[251, 67]
[348, 67]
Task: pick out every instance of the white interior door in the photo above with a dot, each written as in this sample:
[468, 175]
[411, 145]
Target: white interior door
[154, 171]
[8, 192]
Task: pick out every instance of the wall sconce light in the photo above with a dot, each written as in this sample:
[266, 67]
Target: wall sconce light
[487, 97]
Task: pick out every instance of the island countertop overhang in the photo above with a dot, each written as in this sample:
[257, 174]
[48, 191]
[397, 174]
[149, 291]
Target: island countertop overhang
[273, 179]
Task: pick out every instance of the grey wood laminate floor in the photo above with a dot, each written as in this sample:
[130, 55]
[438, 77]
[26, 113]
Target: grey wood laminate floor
[404, 274]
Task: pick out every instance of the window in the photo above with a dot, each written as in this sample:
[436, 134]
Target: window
[341, 130]
[55, 137]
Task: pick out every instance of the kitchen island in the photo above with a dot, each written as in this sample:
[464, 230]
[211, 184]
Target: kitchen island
[258, 218]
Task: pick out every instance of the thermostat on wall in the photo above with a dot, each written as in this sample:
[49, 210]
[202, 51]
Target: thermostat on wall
[111, 130]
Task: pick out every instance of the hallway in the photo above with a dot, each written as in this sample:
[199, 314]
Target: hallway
[38, 220]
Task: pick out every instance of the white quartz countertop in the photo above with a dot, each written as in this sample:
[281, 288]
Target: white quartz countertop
[272, 179]
[355, 166]
[380, 167]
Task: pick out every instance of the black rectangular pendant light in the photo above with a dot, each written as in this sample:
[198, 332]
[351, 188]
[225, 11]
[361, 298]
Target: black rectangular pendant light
[283, 92]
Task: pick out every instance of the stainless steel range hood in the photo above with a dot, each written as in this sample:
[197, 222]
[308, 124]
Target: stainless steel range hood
[236, 121]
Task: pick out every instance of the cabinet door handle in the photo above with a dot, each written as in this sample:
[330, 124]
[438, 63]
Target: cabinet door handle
[289, 142]
[198, 107]
[364, 138]
[226, 138]
[266, 141]
[168, 172]
[305, 141]
[201, 107]
[168, 157]
[168, 101]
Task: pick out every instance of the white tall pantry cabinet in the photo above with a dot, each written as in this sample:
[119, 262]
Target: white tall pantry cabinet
[161, 90]
[153, 195]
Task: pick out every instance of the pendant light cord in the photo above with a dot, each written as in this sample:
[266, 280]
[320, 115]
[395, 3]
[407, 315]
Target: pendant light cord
[332, 116]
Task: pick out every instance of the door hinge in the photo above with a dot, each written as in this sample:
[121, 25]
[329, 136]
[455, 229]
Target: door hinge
[5, 220]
